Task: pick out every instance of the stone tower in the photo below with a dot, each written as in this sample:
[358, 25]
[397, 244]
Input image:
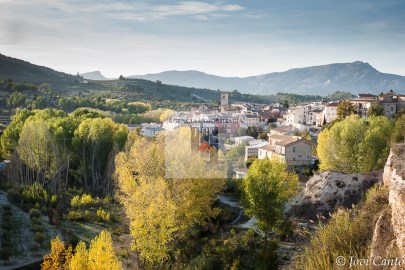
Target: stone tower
[224, 99]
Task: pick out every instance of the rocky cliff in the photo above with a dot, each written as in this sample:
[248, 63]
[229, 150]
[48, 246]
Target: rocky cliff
[394, 179]
[327, 190]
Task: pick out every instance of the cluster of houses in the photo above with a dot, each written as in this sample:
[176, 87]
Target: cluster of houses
[286, 122]
[319, 113]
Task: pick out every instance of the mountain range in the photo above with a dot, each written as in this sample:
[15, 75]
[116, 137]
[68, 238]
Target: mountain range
[355, 77]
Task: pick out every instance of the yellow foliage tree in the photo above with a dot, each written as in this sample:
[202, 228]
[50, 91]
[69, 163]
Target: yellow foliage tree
[59, 258]
[99, 256]
[166, 114]
[101, 253]
[162, 209]
[80, 260]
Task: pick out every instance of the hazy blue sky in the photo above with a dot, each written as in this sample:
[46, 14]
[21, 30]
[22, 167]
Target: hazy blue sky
[228, 38]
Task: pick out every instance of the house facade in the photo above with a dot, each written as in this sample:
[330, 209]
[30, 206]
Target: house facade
[294, 150]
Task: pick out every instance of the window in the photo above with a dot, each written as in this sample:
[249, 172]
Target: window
[294, 149]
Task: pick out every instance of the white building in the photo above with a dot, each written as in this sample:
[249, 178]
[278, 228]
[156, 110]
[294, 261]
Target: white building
[252, 150]
[243, 140]
[251, 120]
[151, 130]
[296, 115]
[330, 112]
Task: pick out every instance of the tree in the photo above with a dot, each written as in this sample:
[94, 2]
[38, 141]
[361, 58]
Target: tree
[59, 257]
[165, 189]
[11, 135]
[344, 109]
[102, 255]
[355, 144]
[376, 109]
[399, 131]
[266, 188]
[263, 136]
[80, 260]
[94, 140]
[166, 114]
[38, 150]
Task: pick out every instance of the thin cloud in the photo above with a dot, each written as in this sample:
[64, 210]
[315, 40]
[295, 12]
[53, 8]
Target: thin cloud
[195, 9]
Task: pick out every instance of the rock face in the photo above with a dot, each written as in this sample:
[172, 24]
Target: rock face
[394, 179]
[326, 191]
[383, 242]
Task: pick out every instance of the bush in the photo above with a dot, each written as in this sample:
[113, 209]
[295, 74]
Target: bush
[74, 215]
[86, 199]
[37, 228]
[54, 200]
[108, 199]
[348, 233]
[36, 221]
[14, 195]
[34, 213]
[83, 200]
[34, 194]
[103, 215]
[75, 201]
[39, 237]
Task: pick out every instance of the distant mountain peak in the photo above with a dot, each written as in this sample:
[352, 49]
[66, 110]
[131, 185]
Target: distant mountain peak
[93, 75]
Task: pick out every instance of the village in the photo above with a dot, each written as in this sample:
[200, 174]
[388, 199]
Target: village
[273, 130]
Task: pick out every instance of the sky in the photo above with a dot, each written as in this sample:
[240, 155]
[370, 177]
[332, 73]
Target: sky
[226, 38]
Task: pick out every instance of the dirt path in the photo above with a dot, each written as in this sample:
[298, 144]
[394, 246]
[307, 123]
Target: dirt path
[250, 224]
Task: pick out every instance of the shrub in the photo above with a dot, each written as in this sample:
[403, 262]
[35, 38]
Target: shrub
[103, 215]
[86, 199]
[34, 213]
[83, 200]
[348, 233]
[36, 221]
[34, 194]
[75, 201]
[54, 200]
[108, 199]
[14, 195]
[39, 237]
[36, 228]
[74, 215]
[88, 215]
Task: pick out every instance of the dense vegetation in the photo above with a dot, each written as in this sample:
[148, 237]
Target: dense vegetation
[355, 144]
[348, 233]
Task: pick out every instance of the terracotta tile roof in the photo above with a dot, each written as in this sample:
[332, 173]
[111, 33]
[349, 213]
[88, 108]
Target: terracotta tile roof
[268, 148]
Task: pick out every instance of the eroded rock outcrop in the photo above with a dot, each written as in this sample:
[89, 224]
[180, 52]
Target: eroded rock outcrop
[394, 179]
[326, 191]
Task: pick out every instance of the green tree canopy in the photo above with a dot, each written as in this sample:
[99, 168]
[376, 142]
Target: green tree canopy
[376, 109]
[266, 188]
[355, 144]
[344, 109]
